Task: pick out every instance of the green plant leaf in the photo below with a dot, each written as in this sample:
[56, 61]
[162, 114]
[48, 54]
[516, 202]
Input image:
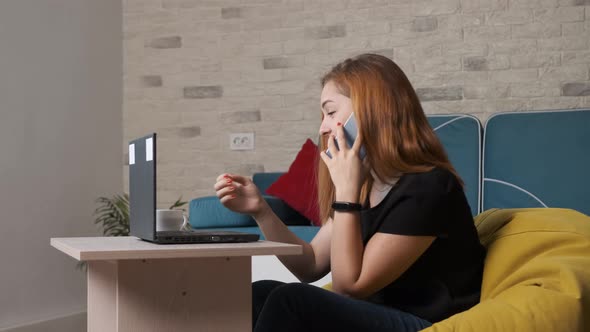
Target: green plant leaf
[179, 202]
[112, 215]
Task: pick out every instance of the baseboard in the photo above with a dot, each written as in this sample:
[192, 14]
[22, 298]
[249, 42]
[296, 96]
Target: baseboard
[71, 323]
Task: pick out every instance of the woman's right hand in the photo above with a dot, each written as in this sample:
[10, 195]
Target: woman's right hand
[239, 194]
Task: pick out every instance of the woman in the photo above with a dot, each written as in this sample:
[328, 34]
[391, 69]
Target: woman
[400, 240]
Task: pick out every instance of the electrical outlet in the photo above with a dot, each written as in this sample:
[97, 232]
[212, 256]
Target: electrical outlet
[241, 141]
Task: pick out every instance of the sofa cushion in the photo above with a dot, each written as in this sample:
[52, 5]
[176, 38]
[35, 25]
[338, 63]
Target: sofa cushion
[536, 273]
[265, 180]
[537, 159]
[286, 213]
[208, 212]
[461, 136]
[298, 186]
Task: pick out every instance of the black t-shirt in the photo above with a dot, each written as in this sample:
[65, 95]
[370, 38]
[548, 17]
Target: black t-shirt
[446, 279]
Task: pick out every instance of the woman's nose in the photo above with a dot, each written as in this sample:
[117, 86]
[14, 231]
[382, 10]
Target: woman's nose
[324, 129]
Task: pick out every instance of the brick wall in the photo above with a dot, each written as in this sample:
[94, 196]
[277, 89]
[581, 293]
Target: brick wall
[197, 70]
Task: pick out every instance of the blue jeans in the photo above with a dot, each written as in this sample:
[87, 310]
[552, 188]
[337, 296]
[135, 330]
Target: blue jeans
[297, 307]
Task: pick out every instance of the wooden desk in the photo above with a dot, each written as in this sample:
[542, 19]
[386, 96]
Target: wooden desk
[135, 285]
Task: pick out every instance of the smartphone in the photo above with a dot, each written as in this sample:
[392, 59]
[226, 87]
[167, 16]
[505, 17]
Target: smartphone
[350, 132]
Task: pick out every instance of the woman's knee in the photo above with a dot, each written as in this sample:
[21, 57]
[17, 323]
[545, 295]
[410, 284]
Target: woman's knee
[285, 306]
[293, 296]
[265, 286]
[262, 289]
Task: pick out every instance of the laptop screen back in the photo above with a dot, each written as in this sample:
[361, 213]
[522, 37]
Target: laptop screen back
[142, 187]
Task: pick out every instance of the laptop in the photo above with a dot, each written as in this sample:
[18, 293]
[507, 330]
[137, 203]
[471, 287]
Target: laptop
[142, 202]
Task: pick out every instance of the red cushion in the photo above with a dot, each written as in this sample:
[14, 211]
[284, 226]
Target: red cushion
[298, 187]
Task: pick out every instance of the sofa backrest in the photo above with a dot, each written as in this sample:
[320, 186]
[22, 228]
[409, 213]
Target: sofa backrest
[461, 136]
[264, 180]
[537, 159]
[519, 160]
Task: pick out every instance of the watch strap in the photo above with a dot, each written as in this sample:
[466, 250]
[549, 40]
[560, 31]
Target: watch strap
[346, 206]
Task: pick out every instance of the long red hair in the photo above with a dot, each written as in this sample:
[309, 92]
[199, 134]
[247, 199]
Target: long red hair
[394, 129]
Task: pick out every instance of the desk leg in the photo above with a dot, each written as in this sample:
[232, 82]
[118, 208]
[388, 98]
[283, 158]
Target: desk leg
[102, 296]
[185, 294]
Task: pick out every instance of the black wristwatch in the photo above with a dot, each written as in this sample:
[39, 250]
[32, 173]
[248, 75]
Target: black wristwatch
[346, 206]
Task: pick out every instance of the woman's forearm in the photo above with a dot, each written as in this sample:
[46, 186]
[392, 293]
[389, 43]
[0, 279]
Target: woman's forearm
[346, 253]
[302, 266]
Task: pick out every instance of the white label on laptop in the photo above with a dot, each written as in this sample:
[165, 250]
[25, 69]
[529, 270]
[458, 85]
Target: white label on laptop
[149, 149]
[131, 154]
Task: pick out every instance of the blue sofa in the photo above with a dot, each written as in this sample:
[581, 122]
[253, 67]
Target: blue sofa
[519, 159]
[208, 213]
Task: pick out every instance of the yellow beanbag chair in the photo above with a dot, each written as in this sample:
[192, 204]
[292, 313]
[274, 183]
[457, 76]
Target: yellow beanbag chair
[536, 274]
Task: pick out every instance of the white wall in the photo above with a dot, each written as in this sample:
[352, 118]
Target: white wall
[271, 268]
[60, 145]
[197, 71]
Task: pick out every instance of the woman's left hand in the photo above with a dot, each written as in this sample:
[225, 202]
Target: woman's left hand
[346, 169]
